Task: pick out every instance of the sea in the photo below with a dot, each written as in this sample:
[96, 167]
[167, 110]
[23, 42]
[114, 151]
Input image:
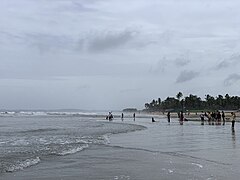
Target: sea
[84, 145]
[26, 137]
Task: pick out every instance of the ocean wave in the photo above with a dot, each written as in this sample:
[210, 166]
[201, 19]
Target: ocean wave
[47, 113]
[72, 151]
[198, 165]
[106, 138]
[18, 148]
[20, 165]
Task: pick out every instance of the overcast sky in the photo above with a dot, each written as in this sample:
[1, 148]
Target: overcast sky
[109, 54]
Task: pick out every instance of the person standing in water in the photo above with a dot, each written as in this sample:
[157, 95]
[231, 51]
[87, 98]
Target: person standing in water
[181, 118]
[134, 116]
[223, 117]
[168, 116]
[153, 120]
[202, 118]
[233, 119]
[122, 116]
[218, 114]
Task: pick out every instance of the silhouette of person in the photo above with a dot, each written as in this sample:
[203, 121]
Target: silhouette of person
[168, 116]
[233, 119]
[202, 118]
[223, 117]
[134, 116]
[218, 115]
[179, 115]
[122, 116]
[110, 116]
[233, 138]
[181, 118]
[153, 120]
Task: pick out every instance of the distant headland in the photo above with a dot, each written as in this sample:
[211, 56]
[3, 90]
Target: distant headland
[130, 110]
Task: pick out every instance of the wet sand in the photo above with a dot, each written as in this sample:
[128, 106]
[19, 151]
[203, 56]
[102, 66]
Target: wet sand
[118, 163]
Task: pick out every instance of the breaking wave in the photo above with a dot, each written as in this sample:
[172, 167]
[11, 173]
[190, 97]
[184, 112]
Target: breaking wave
[73, 151]
[20, 165]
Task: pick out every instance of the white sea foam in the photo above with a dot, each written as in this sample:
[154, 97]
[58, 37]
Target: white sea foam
[199, 165]
[72, 151]
[20, 142]
[71, 113]
[82, 141]
[170, 171]
[44, 113]
[106, 139]
[23, 164]
[7, 113]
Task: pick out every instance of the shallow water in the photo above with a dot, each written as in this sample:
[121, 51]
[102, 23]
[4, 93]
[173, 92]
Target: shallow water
[89, 147]
[25, 140]
[190, 151]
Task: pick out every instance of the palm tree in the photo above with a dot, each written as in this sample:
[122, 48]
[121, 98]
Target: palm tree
[179, 95]
[147, 105]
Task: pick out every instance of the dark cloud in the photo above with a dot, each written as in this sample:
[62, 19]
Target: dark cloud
[231, 79]
[231, 61]
[186, 76]
[110, 40]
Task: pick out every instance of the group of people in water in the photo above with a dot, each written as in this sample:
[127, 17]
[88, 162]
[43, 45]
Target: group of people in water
[110, 116]
[212, 117]
[217, 117]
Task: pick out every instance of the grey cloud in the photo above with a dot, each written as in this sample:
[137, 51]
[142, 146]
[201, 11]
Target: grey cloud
[231, 61]
[232, 78]
[222, 64]
[182, 61]
[110, 40]
[11, 38]
[186, 76]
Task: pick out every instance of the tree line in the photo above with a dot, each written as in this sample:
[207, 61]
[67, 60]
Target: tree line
[193, 102]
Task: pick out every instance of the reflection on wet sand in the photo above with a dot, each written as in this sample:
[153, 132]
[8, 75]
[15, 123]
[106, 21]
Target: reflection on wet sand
[233, 138]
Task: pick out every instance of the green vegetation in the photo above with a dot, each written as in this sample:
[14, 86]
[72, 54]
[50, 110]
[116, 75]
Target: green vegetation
[193, 102]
